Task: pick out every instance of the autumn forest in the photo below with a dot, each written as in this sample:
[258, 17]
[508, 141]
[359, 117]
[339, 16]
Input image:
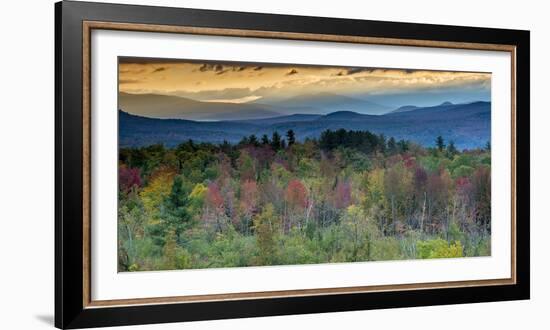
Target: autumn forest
[346, 196]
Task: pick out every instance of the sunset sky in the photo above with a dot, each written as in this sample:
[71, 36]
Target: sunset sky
[234, 82]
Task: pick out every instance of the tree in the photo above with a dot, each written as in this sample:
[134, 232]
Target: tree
[290, 137]
[342, 195]
[358, 233]
[266, 227]
[276, 141]
[420, 181]
[397, 187]
[438, 197]
[213, 215]
[253, 140]
[153, 195]
[403, 146]
[128, 178]
[265, 140]
[176, 213]
[131, 221]
[481, 188]
[296, 194]
[440, 143]
[244, 141]
[247, 166]
[382, 144]
[392, 146]
[488, 146]
[196, 198]
[451, 149]
[296, 198]
[248, 203]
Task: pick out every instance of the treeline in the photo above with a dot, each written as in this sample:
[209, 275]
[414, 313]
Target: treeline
[348, 196]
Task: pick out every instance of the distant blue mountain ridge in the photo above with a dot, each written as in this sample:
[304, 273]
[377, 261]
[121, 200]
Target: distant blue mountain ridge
[468, 125]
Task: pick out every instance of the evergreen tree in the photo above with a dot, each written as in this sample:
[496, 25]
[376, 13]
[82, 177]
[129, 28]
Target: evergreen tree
[440, 143]
[265, 140]
[382, 143]
[176, 214]
[488, 146]
[291, 138]
[253, 140]
[451, 149]
[276, 141]
[392, 146]
[403, 145]
[244, 141]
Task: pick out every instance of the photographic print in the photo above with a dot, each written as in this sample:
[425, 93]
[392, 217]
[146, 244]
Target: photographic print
[231, 164]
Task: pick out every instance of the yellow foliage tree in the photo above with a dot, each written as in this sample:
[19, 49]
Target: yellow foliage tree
[159, 187]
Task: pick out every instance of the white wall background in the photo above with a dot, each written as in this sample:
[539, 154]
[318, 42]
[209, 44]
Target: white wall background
[27, 163]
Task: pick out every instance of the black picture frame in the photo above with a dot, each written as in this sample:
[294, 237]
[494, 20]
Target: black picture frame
[70, 310]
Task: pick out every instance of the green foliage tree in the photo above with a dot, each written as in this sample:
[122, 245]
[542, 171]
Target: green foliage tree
[176, 213]
[266, 227]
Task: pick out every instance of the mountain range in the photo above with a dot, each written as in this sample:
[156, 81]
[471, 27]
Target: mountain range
[177, 107]
[468, 124]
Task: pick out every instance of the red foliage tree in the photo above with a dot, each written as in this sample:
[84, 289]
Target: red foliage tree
[249, 197]
[128, 178]
[342, 199]
[214, 197]
[296, 194]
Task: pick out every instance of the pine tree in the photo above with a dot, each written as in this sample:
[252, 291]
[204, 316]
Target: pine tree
[403, 145]
[176, 214]
[392, 146]
[440, 143]
[451, 149]
[253, 140]
[290, 136]
[276, 141]
[265, 140]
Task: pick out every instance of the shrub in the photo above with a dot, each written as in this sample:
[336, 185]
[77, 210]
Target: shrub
[438, 248]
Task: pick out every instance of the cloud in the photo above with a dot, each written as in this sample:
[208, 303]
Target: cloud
[211, 67]
[292, 72]
[353, 71]
[226, 94]
[128, 81]
[238, 81]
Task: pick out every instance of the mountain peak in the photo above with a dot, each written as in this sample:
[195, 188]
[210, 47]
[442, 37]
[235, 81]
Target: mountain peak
[343, 114]
[446, 103]
[405, 108]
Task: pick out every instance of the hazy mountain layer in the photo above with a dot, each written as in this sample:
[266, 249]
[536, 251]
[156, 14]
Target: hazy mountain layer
[468, 125]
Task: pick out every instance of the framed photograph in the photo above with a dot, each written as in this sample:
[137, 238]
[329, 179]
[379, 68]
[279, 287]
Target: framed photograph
[218, 164]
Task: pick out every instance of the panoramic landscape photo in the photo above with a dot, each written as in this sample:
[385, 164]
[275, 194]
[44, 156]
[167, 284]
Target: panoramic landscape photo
[233, 164]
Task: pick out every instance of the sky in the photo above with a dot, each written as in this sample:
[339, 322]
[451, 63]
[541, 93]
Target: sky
[234, 82]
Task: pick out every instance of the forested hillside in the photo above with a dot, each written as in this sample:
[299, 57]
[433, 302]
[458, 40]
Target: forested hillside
[270, 200]
[468, 125]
